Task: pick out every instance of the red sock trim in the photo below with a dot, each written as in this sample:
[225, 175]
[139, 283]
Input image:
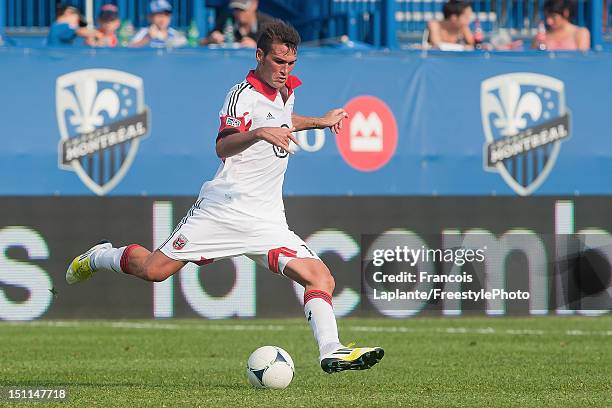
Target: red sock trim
[312, 294]
[123, 263]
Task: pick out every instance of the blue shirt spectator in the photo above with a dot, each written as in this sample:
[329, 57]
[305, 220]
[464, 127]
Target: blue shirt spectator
[159, 33]
[68, 27]
[61, 34]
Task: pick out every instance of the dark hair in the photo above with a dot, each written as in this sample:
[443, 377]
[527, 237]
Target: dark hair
[108, 13]
[454, 8]
[61, 9]
[558, 7]
[278, 32]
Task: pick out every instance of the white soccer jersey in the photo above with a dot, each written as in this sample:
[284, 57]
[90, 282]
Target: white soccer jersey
[251, 182]
[240, 211]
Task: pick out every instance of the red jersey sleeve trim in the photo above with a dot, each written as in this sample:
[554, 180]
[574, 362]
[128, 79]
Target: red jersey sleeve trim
[230, 124]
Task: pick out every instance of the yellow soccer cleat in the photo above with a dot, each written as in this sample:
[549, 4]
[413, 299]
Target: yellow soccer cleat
[81, 267]
[347, 358]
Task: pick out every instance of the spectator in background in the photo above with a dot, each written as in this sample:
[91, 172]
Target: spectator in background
[159, 33]
[108, 23]
[243, 25]
[453, 33]
[69, 26]
[561, 33]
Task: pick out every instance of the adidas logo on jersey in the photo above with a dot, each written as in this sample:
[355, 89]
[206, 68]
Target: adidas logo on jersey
[270, 116]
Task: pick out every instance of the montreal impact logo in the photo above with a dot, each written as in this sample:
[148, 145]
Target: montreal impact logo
[101, 117]
[525, 119]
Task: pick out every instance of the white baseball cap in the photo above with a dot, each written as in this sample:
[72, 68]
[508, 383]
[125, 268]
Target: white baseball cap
[240, 4]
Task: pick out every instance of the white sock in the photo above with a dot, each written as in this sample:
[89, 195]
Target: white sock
[320, 314]
[108, 259]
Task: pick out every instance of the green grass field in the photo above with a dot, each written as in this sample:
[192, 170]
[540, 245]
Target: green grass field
[469, 362]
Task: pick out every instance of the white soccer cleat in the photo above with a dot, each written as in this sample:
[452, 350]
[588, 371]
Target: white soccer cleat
[81, 268]
[348, 358]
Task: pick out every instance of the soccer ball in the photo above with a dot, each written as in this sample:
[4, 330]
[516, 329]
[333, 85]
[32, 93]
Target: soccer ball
[270, 367]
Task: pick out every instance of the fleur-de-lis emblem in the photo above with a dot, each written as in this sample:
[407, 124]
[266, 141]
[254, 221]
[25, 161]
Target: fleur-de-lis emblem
[102, 118]
[87, 105]
[511, 108]
[524, 119]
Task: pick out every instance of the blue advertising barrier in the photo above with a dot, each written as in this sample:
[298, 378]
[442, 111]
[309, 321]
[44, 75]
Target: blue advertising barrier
[144, 122]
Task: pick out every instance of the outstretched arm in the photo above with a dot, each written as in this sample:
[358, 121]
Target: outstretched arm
[332, 119]
[237, 142]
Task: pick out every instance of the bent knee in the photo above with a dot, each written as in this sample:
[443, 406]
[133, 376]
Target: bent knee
[158, 268]
[156, 274]
[322, 278]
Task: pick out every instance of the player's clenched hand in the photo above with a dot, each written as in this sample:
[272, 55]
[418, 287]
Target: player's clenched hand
[280, 137]
[333, 119]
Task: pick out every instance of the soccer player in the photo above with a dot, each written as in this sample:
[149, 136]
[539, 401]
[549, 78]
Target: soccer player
[240, 211]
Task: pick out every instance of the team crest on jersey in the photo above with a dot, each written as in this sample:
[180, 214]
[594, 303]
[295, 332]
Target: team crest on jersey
[279, 151]
[525, 119]
[180, 242]
[102, 117]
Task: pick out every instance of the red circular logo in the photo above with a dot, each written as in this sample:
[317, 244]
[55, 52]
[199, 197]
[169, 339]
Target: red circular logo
[368, 137]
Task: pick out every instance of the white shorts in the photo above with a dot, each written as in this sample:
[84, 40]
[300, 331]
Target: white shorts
[212, 233]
